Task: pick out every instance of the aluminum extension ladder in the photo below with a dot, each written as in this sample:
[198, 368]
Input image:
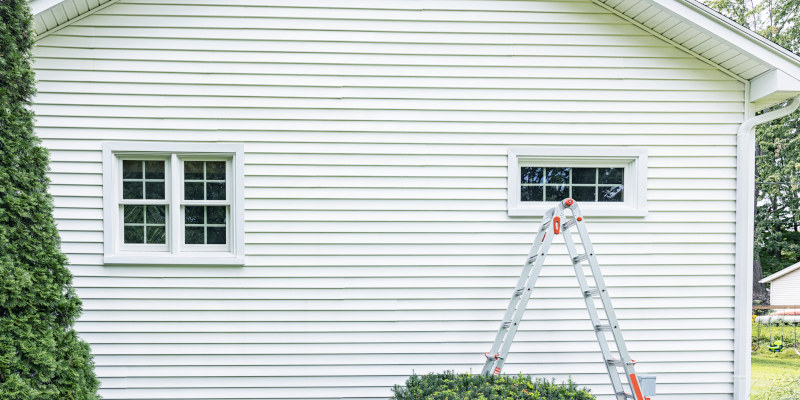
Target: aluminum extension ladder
[554, 222]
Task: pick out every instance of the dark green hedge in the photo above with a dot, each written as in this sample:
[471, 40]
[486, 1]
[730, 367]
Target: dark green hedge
[452, 386]
[41, 357]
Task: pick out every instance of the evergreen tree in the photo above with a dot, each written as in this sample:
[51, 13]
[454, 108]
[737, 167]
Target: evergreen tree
[41, 356]
[777, 209]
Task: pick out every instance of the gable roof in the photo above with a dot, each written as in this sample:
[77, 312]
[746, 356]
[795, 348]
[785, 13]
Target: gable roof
[785, 271]
[773, 72]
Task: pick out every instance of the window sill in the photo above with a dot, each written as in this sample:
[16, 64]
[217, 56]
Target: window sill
[150, 259]
[587, 209]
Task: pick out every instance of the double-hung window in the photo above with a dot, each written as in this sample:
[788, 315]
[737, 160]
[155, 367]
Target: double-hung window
[604, 181]
[173, 203]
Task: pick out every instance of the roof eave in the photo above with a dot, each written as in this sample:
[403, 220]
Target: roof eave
[781, 273]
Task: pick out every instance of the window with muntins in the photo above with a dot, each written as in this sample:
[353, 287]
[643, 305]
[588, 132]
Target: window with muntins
[173, 206]
[580, 183]
[605, 181]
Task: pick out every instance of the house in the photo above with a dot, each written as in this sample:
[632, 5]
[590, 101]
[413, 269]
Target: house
[784, 286]
[310, 199]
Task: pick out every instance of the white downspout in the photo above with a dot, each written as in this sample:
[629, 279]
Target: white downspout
[743, 280]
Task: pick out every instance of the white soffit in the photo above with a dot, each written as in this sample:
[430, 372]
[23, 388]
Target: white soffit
[49, 15]
[720, 41]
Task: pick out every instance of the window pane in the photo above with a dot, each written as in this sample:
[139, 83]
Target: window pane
[156, 214]
[215, 170]
[154, 190]
[611, 193]
[193, 170]
[131, 169]
[532, 174]
[556, 193]
[133, 214]
[132, 190]
[134, 234]
[584, 175]
[612, 176]
[156, 234]
[216, 235]
[584, 193]
[532, 193]
[193, 190]
[216, 215]
[194, 215]
[154, 169]
[215, 191]
[194, 235]
[557, 175]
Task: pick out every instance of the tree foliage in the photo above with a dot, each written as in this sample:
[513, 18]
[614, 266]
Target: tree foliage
[777, 234]
[41, 356]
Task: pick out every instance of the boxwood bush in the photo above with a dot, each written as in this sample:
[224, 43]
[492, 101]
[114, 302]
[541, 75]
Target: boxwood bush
[452, 386]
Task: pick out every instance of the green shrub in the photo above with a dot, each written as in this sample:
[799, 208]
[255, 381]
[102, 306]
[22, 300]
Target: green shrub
[41, 356]
[452, 386]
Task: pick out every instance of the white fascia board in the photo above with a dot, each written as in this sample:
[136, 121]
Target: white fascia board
[753, 45]
[773, 87]
[781, 273]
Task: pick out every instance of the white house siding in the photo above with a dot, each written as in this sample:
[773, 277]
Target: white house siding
[377, 237]
[785, 291]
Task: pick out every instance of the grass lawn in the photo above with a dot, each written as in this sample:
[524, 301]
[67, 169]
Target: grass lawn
[775, 376]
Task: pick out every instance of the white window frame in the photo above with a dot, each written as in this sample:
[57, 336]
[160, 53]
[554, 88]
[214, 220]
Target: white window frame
[175, 252]
[632, 159]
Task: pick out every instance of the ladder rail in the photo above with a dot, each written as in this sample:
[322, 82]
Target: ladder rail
[493, 355]
[602, 340]
[611, 315]
[523, 304]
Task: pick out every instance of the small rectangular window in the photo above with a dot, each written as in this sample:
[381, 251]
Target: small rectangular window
[581, 184]
[605, 181]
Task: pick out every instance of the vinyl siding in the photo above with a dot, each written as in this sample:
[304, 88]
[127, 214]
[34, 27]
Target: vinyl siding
[785, 291]
[377, 238]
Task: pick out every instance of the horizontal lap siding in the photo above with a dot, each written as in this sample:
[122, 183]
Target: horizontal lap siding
[786, 290]
[377, 237]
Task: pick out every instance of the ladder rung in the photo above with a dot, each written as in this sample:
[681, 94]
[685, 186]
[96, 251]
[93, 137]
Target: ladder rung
[616, 361]
[577, 259]
[592, 292]
[532, 259]
[506, 324]
[625, 395]
[519, 291]
[569, 224]
[602, 327]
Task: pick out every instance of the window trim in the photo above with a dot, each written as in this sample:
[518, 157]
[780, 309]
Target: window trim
[114, 252]
[632, 159]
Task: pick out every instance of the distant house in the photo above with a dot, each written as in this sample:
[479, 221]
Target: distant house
[784, 287]
[309, 199]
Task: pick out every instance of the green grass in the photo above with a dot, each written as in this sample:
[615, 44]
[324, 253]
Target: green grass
[775, 376]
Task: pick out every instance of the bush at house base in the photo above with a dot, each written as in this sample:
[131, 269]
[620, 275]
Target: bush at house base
[451, 386]
[41, 356]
